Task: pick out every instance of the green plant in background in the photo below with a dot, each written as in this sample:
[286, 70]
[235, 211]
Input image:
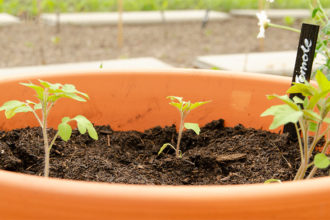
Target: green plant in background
[48, 94]
[309, 116]
[289, 20]
[184, 108]
[319, 17]
[19, 7]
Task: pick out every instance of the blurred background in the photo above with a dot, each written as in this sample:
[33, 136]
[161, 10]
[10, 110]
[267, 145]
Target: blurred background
[43, 32]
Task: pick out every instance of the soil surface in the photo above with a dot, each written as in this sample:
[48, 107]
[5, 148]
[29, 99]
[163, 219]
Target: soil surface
[219, 155]
[177, 44]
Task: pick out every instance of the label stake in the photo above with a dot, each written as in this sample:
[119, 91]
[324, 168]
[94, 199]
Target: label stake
[304, 63]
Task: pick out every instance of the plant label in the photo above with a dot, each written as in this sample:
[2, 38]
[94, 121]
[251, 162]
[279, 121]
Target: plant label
[304, 63]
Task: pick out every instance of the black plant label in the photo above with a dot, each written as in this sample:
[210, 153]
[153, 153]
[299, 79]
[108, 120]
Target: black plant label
[304, 63]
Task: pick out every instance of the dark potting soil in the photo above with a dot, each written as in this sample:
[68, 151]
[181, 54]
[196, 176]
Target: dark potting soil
[219, 155]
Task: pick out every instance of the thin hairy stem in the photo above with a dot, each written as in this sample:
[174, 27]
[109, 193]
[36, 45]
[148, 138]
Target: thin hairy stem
[177, 151]
[44, 133]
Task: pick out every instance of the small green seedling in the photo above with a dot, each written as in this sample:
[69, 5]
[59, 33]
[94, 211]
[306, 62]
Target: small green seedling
[47, 95]
[312, 116]
[184, 109]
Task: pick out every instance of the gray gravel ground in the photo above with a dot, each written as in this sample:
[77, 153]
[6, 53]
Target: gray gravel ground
[177, 44]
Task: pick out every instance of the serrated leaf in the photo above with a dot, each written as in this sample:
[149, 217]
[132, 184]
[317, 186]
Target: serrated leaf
[44, 83]
[304, 88]
[321, 161]
[322, 81]
[285, 99]
[64, 131]
[193, 126]
[69, 88]
[38, 89]
[283, 114]
[54, 98]
[312, 115]
[53, 87]
[13, 107]
[74, 96]
[11, 104]
[316, 98]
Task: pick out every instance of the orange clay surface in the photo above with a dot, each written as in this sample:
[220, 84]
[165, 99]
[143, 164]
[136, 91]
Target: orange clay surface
[127, 100]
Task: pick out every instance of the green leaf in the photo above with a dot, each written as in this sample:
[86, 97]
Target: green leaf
[12, 107]
[177, 98]
[283, 114]
[52, 87]
[74, 96]
[298, 100]
[197, 104]
[165, 146]
[177, 105]
[315, 12]
[183, 106]
[285, 99]
[38, 89]
[11, 104]
[312, 115]
[327, 120]
[304, 88]
[65, 119]
[193, 126]
[68, 88]
[186, 106]
[306, 102]
[92, 132]
[64, 131]
[316, 98]
[321, 161]
[312, 126]
[37, 106]
[85, 125]
[54, 98]
[12, 112]
[322, 81]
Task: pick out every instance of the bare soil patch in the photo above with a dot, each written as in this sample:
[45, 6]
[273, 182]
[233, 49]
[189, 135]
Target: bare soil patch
[219, 155]
[177, 44]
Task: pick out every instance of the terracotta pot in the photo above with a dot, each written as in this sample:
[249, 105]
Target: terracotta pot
[136, 100]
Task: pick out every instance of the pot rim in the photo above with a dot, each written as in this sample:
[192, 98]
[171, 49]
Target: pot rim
[36, 183]
[150, 192]
[180, 71]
